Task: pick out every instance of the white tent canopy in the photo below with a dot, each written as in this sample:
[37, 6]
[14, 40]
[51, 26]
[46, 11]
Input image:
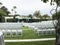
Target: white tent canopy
[8, 18]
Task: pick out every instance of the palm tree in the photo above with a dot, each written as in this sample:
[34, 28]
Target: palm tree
[12, 11]
[14, 7]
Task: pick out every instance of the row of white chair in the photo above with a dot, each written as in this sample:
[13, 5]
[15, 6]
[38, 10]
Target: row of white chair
[41, 28]
[11, 29]
[12, 33]
[45, 32]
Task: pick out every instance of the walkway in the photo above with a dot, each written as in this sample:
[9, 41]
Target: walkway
[30, 40]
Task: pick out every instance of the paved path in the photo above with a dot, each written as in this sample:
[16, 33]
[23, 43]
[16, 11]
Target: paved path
[30, 40]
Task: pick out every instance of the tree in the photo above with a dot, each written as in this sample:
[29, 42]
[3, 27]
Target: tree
[0, 3]
[46, 16]
[5, 9]
[2, 15]
[57, 27]
[12, 11]
[3, 12]
[54, 16]
[30, 15]
[51, 1]
[14, 7]
[37, 14]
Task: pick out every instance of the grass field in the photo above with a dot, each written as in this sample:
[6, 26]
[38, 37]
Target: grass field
[29, 34]
[32, 43]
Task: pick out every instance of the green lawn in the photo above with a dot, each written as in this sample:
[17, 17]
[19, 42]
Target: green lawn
[29, 34]
[32, 43]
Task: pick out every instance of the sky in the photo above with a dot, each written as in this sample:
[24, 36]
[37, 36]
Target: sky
[26, 7]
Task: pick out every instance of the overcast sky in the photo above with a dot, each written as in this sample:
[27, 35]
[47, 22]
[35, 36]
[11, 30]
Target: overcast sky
[25, 7]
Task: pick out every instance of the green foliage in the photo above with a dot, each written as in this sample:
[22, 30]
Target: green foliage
[14, 7]
[12, 20]
[57, 1]
[5, 10]
[30, 15]
[45, 16]
[0, 3]
[37, 14]
[44, 1]
[2, 12]
[56, 15]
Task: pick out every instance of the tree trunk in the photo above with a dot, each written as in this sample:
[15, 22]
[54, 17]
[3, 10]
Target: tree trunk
[58, 33]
